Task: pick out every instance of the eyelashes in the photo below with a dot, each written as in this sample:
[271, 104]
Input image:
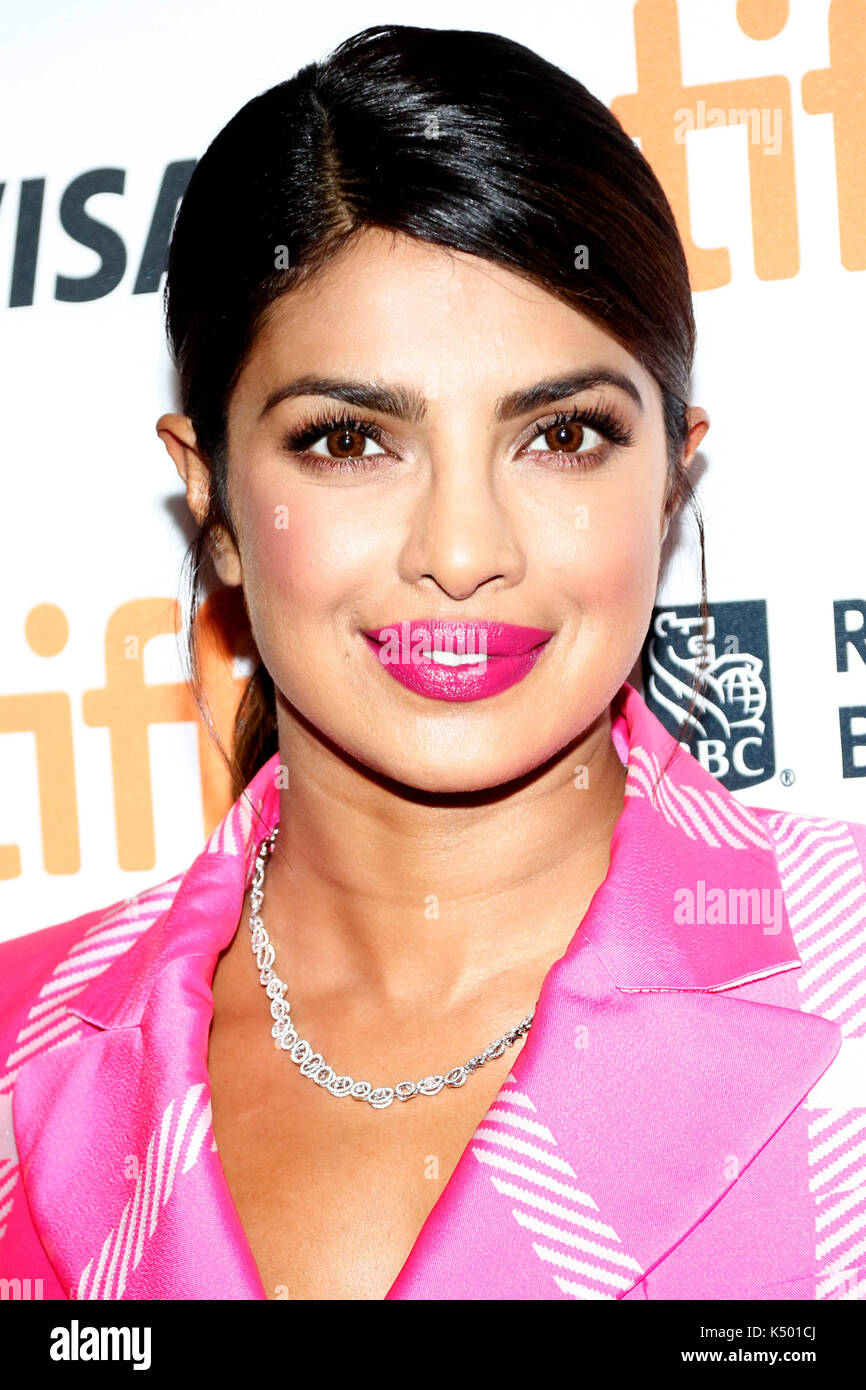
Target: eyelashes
[602, 419]
[298, 441]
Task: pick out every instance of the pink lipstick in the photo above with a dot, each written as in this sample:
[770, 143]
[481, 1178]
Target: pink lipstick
[452, 659]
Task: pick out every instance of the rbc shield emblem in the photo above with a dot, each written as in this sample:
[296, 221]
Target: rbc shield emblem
[730, 728]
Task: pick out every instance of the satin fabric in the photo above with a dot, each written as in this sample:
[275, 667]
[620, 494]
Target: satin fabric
[686, 1120]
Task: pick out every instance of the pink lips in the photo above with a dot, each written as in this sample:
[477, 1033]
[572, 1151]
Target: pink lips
[506, 654]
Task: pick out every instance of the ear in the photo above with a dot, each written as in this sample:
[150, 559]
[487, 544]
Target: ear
[178, 436]
[698, 422]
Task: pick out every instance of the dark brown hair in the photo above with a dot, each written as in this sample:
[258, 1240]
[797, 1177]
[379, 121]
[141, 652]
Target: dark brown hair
[460, 138]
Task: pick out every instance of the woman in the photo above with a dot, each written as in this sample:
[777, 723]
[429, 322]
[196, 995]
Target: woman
[455, 1030]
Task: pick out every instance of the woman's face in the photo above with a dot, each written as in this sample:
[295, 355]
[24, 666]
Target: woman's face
[466, 500]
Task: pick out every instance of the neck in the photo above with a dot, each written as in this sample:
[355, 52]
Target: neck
[404, 895]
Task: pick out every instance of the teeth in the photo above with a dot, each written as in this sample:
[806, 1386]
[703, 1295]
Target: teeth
[454, 658]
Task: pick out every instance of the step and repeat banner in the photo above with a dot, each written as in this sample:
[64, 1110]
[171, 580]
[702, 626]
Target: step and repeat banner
[753, 115]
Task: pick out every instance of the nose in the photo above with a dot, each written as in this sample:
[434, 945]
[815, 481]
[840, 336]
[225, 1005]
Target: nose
[463, 531]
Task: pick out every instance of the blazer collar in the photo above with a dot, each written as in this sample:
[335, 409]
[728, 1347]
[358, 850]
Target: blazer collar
[609, 1133]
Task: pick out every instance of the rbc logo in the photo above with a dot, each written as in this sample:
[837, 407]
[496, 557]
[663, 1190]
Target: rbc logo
[730, 728]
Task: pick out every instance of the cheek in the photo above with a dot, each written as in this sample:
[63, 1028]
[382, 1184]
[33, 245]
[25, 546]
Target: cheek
[307, 555]
[608, 559]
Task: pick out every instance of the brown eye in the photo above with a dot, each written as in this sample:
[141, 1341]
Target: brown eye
[336, 444]
[345, 443]
[567, 437]
[341, 441]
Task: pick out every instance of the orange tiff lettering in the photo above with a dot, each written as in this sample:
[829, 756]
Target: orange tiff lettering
[663, 108]
[125, 707]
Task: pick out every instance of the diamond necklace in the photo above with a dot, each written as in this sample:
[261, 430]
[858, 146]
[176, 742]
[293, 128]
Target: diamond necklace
[311, 1063]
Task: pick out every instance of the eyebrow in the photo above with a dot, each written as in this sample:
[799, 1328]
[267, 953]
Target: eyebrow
[404, 403]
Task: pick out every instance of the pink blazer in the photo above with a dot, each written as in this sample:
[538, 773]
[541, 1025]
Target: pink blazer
[686, 1120]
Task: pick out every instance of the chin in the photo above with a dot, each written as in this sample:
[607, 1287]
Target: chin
[456, 774]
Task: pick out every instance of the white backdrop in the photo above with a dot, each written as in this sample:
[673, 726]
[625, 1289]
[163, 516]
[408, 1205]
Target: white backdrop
[92, 507]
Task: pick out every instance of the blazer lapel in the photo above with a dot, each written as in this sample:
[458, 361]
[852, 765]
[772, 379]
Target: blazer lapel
[645, 1086]
[625, 1119]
